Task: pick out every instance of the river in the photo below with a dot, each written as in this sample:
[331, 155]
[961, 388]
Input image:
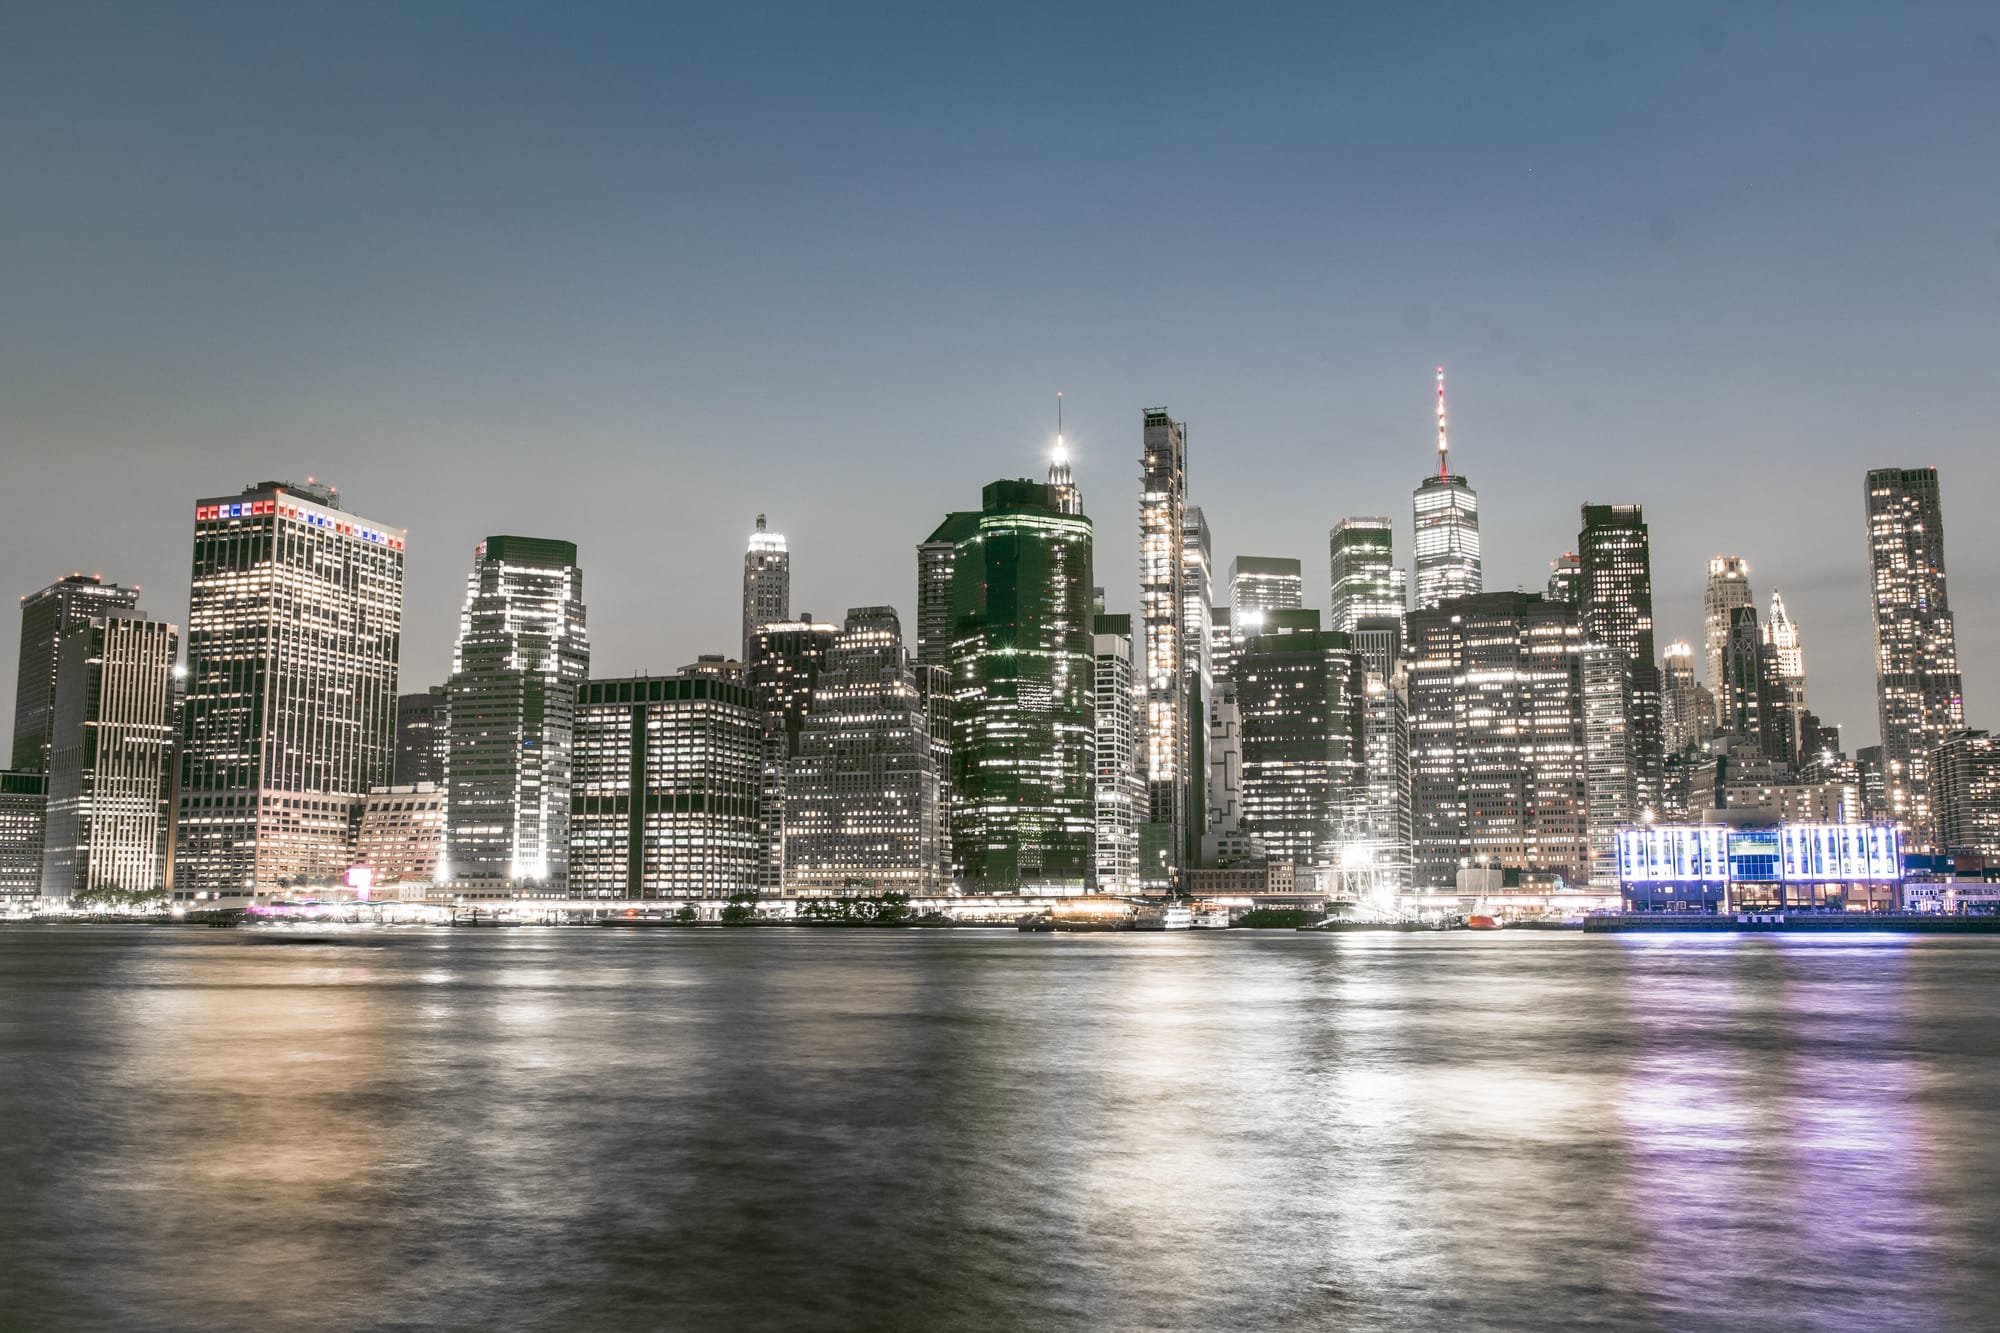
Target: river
[379, 1128]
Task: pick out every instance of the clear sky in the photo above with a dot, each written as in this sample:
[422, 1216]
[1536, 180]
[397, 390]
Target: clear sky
[630, 275]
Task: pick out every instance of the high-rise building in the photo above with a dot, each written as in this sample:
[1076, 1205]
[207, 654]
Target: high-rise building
[1379, 640]
[1782, 633]
[861, 810]
[24, 809]
[1965, 792]
[767, 584]
[1496, 737]
[1681, 714]
[1167, 720]
[666, 788]
[1120, 794]
[1197, 616]
[1221, 642]
[1917, 688]
[934, 587]
[111, 749]
[1300, 691]
[1025, 676]
[1611, 788]
[1728, 588]
[1447, 517]
[1386, 743]
[1062, 478]
[784, 666]
[1367, 582]
[295, 623]
[522, 653]
[1225, 771]
[423, 737]
[402, 833]
[46, 616]
[1566, 578]
[1614, 600]
[1742, 700]
[1260, 583]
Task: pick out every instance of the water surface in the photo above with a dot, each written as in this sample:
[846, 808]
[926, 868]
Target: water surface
[595, 1129]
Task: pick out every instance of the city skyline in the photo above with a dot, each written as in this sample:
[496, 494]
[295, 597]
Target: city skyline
[1654, 285]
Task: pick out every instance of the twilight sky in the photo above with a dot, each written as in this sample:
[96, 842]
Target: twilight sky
[631, 274]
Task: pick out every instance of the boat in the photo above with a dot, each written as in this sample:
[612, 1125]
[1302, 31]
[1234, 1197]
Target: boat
[1171, 916]
[1482, 921]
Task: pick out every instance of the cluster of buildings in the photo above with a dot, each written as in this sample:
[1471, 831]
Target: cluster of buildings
[1422, 737]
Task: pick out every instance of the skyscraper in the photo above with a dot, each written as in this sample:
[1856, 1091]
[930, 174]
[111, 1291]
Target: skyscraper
[1566, 578]
[1728, 588]
[24, 811]
[1680, 712]
[1367, 582]
[1167, 722]
[1496, 737]
[111, 750]
[1614, 600]
[1197, 617]
[665, 788]
[767, 584]
[1025, 676]
[782, 671]
[1386, 743]
[1447, 518]
[935, 554]
[862, 808]
[521, 654]
[1300, 691]
[1917, 688]
[294, 632]
[45, 617]
[423, 737]
[1781, 632]
[1965, 791]
[1062, 479]
[1610, 764]
[401, 840]
[1260, 583]
[1120, 794]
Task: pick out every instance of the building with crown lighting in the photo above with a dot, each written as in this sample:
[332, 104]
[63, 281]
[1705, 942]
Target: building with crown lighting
[665, 796]
[862, 808]
[1024, 682]
[767, 584]
[1917, 687]
[295, 620]
[1447, 527]
[47, 615]
[522, 652]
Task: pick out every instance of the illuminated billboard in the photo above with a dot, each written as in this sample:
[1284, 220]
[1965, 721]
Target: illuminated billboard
[1789, 853]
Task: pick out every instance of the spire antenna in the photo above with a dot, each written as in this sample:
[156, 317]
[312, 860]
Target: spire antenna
[1444, 447]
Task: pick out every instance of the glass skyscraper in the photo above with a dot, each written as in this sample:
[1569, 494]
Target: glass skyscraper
[1447, 527]
[521, 654]
[1367, 582]
[295, 622]
[46, 616]
[1917, 688]
[1166, 720]
[1301, 695]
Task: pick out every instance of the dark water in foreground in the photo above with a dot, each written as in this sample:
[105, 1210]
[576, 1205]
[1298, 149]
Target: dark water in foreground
[933, 1130]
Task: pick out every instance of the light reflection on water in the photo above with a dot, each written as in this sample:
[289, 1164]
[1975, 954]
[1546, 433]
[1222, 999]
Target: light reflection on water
[795, 1129]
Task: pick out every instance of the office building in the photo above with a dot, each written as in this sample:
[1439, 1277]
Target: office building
[1681, 713]
[861, 810]
[784, 666]
[1024, 674]
[1965, 785]
[1167, 719]
[664, 802]
[24, 809]
[1566, 578]
[1917, 688]
[295, 622]
[1221, 642]
[402, 835]
[1224, 806]
[423, 737]
[1496, 738]
[46, 616]
[1728, 588]
[1388, 829]
[1197, 616]
[1614, 601]
[767, 584]
[1781, 632]
[934, 587]
[1260, 583]
[1300, 691]
[1120, 794]
[1611, 788]
[521, 654]
[1447, 519]
[1367, 582]
[111, 750]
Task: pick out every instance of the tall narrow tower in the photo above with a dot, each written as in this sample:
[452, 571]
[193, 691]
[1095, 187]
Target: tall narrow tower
[1062, 481]
[68, 603]
[1162, 563]
[1447, 519]
[767, 584]
[1728, 588]
[1917, 689]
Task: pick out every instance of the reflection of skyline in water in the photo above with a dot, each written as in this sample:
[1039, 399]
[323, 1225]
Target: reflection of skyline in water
[975, 1129]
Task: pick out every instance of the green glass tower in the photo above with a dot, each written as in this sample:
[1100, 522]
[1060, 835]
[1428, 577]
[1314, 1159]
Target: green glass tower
[1023, 675]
